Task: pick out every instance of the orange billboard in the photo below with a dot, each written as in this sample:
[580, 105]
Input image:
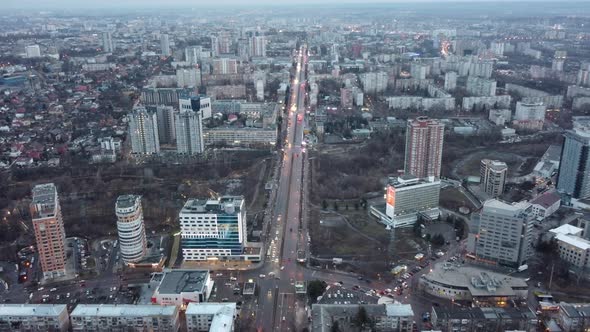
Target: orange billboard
[391, 196]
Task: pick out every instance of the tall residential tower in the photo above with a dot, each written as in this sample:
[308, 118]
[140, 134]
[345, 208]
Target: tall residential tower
[493, 177]
[424, 143]
[49, 230]
[143, 130]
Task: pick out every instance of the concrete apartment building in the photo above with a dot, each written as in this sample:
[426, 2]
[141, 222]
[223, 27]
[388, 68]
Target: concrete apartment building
[478, 86]
[204, 317]
[493, 177]
[50, 235]
[504, 233]
[490, 319]
[225, 66]
[387, 317]
[130, 228]
[424, 143]
[34, 317]
[125, 317]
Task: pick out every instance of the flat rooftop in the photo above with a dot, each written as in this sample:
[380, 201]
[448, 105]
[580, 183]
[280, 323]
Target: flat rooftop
[44, 193]
[408, 180]
[479, 282]
[123, 310]
[22, 310]
[179, 281]
[213, 205]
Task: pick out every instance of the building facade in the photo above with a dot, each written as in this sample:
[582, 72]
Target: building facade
[50, 235]
[131, 228]
[213, 228]
[125, 317]
[166, 127]
[143, 130]
[424, 143]
[493, 177]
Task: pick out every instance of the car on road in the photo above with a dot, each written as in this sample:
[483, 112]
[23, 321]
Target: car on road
[262, 276]
[219, 275]
[53, 289]
[40, 289]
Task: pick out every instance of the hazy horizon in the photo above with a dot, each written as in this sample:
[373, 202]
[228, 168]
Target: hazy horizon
[71, 4]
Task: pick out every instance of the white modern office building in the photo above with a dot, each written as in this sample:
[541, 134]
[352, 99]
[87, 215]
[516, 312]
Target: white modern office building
[125, 317]
[34, 317]
[131, 228]
[213, 228]
[203, 317]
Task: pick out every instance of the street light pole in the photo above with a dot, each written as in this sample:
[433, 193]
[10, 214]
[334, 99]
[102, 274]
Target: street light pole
[551, 276]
